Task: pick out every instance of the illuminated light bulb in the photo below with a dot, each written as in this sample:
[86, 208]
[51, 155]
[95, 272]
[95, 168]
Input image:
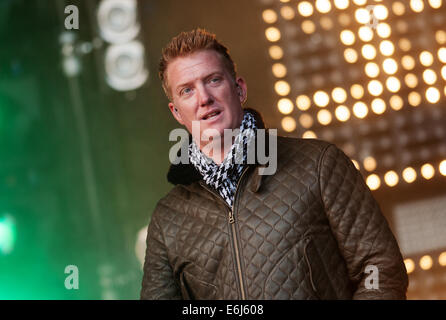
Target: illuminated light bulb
[305, 8]
[405, 44]
[380, 12]
[272, 34]
[440, 36]
[375, 88]
[350, 55]
[435, 3]
[442, 54]
[303, 102]
[371, 69]
[383, 30]
[269, 16]
[387, 48]
[432, 95]
[402, 26]
[347, 37]
[339, 95]
[429, 76]
[360, 110]
[396, 102]
[282, 88]
[276, 52]
[369, 163]
[309, 135]
[442, 259]
[324, 117]
[365, 33]
[306, 120]
[284, 1]
[443, 72]
[360, 2]
[308, 26]
[368, 51]
[279, 70]
[426, 262]
[356, 164]
[398, 8]
[287, 12]
[378, 106]
[417, 5]
[285, 106]
[427, 171]
[288, 124]
[390, 66]
[344, 19]
[442, 167]
[411, 80]
[362, 16]
[426, 58]
[321, 98]
[391, 178]
[408, 62]
[342, 113]
[323, 6]
[341, 4]
[410, 265]
[393, 84]
[326, 23]
[357, 91]
[409, 175]
[373, 182]
[414, 99]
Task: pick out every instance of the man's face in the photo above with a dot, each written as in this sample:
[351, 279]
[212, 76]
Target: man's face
[203, 90]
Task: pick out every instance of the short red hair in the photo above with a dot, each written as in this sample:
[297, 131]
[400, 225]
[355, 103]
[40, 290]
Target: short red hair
[187, 43]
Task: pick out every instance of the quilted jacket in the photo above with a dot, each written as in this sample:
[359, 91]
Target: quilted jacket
[309, 231]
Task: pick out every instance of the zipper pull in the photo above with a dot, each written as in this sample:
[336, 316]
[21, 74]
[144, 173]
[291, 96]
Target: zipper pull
[231, 217]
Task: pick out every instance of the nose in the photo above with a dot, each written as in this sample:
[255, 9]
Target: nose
[204, 96]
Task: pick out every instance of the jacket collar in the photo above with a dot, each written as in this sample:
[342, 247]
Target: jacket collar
[186, 173]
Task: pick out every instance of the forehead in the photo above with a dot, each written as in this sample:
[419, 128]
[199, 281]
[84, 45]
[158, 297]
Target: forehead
[195, 65]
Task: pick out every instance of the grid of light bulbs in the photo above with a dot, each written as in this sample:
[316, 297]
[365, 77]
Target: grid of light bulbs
[386, 90]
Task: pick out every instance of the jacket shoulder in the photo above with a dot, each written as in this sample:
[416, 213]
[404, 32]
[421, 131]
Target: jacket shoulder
[312, 148]
[175, 201]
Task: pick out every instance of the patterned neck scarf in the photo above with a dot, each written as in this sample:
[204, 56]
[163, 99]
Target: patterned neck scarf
[224, 177]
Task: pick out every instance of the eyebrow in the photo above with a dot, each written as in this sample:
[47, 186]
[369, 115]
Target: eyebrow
[180, 86]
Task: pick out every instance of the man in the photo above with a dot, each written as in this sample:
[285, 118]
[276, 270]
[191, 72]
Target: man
[311, 230]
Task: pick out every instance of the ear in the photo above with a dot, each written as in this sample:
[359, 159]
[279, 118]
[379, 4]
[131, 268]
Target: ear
[175, 113]
[242, 89]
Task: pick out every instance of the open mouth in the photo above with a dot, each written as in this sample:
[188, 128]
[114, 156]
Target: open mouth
[211, 115]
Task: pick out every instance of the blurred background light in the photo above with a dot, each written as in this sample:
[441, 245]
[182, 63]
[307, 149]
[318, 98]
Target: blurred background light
[409, 175]
[426, 262]
[285, 106]
[410, 265]
[7, 234]
[288, 124]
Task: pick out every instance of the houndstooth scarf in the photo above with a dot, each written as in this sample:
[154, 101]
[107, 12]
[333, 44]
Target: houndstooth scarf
[224, 177]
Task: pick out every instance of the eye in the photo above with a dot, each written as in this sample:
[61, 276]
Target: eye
[185, 91]
[215, 80]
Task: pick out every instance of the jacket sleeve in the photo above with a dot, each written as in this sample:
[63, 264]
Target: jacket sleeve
[363, 234]
[158, 281]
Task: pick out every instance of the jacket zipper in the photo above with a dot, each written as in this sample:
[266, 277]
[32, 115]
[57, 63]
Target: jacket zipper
[231, 221]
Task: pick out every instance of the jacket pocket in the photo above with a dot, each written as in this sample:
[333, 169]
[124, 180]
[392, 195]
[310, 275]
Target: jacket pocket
[193, 288]
[290, 278]
[319, 271]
